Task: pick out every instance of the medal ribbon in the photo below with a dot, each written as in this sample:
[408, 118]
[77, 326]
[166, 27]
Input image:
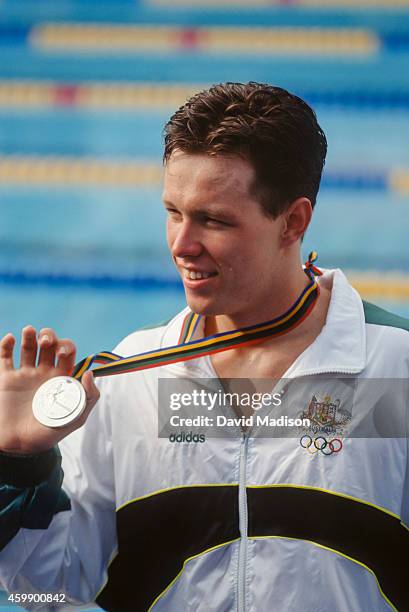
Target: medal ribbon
[192, 349]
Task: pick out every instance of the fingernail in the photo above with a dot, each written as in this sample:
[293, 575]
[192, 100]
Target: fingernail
[62, 351]
[45, 338]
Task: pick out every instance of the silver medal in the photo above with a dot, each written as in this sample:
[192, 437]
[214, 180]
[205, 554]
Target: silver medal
[59, 401]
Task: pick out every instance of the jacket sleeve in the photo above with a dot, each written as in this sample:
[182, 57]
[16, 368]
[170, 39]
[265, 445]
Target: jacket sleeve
[57, 514]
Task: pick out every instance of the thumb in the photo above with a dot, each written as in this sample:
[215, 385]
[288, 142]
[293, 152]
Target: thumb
[90, 387]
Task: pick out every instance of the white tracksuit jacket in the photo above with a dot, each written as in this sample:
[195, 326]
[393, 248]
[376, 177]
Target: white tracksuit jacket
[244, 523]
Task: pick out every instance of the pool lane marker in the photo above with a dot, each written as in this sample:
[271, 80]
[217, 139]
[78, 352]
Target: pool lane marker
[101, 38]
[65, 170]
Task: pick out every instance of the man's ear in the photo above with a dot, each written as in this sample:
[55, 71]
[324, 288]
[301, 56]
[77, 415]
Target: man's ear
[297, 218]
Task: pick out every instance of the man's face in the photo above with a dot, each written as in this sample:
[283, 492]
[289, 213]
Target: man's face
[225, 248]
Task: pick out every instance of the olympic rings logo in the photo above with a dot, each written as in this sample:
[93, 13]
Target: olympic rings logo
[321, 444]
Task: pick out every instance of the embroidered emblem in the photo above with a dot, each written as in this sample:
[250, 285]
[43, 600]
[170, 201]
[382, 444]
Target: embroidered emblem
[327, 416]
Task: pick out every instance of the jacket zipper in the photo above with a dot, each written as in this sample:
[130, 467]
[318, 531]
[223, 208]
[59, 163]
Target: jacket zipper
[243, 513]
[243, 520]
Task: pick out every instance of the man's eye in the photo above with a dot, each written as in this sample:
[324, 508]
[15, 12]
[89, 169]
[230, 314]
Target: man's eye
[212, 221]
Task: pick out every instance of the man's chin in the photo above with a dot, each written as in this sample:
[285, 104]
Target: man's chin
[201, 306]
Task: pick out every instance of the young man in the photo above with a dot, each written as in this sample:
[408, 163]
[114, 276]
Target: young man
[243, 522]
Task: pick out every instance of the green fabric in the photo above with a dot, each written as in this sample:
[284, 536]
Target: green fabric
[378, 316]
[28, 470]
[31, 507]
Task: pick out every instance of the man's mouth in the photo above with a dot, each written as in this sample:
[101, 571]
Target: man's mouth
[195, 275]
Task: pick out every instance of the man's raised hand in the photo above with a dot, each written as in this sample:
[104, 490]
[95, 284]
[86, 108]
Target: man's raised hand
[41, 358]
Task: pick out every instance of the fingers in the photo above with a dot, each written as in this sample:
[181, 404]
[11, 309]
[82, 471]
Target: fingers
[48, 347]
[6, 352]
[47, 341]
[28, 353]
[66, 356]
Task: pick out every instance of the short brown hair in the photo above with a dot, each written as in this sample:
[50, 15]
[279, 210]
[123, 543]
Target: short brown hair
[276, 131]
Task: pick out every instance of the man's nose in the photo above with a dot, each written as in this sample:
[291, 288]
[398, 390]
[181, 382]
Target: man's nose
[186, 242]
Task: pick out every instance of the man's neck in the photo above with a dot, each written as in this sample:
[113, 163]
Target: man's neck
[272, 357]
[283, 295]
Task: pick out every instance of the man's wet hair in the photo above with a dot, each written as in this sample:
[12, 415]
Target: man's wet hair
[274, 130]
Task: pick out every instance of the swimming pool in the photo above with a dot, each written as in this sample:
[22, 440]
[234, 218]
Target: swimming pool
[91, 261]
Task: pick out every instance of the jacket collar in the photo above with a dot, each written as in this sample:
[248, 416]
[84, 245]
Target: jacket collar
[340, 347]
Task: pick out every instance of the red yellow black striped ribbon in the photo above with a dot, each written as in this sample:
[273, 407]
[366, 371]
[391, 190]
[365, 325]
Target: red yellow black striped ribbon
[192, 349]
[189, 327]
[309, 268]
